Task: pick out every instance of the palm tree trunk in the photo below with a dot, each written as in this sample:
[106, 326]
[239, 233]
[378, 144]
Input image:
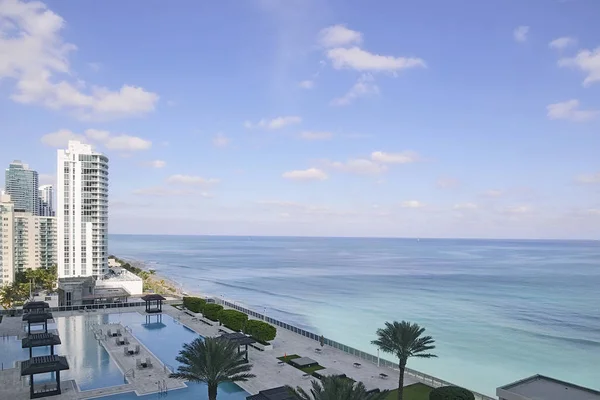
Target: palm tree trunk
[401, 366]
[212, 392]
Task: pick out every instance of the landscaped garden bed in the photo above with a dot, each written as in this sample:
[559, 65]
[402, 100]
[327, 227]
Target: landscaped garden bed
[307, 370]
[416, 391]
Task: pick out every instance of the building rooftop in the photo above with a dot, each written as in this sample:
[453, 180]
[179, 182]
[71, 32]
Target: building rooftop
[539, 387]
[119, 274]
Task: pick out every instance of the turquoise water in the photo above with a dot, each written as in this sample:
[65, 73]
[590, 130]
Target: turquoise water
[90, 365]
[164, 336]
[500, 310]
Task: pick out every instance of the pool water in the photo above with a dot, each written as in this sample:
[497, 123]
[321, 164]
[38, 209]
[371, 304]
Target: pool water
[90, 365]
[164, 337]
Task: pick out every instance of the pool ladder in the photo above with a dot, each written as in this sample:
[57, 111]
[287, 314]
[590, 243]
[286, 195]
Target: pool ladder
[162, 388]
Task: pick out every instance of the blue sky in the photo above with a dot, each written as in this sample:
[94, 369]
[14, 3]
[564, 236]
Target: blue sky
[306, 117]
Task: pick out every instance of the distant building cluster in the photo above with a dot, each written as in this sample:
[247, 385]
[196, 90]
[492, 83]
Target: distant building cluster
[41, 227]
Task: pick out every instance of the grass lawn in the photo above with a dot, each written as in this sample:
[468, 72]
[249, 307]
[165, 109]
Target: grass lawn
[307, 370]
[417, 391]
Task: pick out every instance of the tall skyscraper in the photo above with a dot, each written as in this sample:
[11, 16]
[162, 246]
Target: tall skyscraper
[22, 185]
[27, 241]
[82, 211]
[46, 194]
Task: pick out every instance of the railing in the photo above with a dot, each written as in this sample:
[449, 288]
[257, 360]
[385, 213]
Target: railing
[424, 378]
[88, 307]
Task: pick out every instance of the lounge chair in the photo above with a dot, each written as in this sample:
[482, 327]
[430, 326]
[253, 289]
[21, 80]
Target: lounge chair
[137, 349]
[138, 363]
[108, 332]
[126, 350]
[126, 340]
[117, 341]
[148, 362]
[118, 332]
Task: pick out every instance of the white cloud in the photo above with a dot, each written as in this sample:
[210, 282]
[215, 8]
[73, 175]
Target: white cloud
[562, 42]
[447, 183]
[589, 178]
[360, 166]
[587, 61]
[412, 204]
[33, 53]
[220, 140]
[94, 66]
[156, 164]
[166, 192]
[362, 60]
[310, 174]
[569, 110]
[364, 86]
[493, 193]
[190, 180]
[405, 157]
[61, 138]
[516, 210]
[520, 33]
[465, 206]
[275, 123]
[94, 136]
[307, 84]
[315, 135]
[339, 35]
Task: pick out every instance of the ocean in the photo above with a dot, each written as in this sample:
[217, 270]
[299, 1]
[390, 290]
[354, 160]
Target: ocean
[499, 310]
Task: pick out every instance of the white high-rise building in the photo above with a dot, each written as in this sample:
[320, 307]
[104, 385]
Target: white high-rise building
[47, 201]
[27, 241]
[82, 211]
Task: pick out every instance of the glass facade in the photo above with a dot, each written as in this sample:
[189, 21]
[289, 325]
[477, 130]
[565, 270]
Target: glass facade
[22, 186]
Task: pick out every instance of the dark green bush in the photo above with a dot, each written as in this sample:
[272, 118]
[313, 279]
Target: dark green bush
[194, 304]
[450, 393]
[211, 311]
[233, 319]
[261, 331]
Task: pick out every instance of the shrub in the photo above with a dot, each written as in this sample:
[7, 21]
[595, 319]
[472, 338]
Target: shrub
[261, 331]
[233, 319]
[450, 393]
[211, 311]
[194, 304]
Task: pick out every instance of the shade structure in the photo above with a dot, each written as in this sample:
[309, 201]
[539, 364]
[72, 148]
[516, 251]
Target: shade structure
[40, 340]
[240, 339]
[43, 365]
[278, 393]
[153, 303]
[37, 316]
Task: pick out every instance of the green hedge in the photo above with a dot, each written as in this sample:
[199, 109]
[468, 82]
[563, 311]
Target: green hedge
[261, 331]
[194, 304]
[450, 393]
[211, 311]
[233, 319]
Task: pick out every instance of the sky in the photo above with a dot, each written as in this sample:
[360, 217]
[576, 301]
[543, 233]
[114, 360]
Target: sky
[422, 118]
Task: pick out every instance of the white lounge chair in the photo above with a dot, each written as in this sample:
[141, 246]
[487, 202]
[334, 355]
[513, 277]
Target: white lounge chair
[138, 363]
[126, 350]
[148, 362]
[137, 349]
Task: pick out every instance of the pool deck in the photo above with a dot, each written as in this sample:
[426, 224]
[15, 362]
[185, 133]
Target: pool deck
[269, 373]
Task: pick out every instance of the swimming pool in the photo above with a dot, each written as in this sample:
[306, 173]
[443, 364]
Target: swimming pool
[90, 365]
[164, 336]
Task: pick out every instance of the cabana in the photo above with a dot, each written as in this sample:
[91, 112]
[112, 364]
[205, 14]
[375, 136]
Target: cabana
[240, 339]
[43, 365]
[153, 298]
[40, 340]
[37, 316]
[278, 393]
[35, 306]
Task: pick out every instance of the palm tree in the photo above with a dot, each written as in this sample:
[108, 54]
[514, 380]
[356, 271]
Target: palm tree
[212, 361]
[404, 340]
[337, 388]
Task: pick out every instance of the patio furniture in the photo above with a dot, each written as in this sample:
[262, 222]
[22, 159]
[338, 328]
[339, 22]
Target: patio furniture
[148, 362]
[383, 376]
[319, 351]
[125, 341]
[118, 332]
[109, 333]
[137, 349]
[357, 365]
[306, 376]
[138, 363]
[118, 342]
[281, 363]
[126, 351]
